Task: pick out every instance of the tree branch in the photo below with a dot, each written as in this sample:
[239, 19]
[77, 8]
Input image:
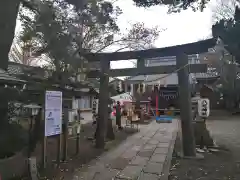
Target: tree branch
[29, 5]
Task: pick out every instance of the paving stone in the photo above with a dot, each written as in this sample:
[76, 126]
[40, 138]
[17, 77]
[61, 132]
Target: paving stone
[149, 147]
[138, 136]
[164, 140]
[153, 168]
[145, 138]
[145, 153]
[119, 163]
[139, 161]
[157, 137]
[90, 172]
[168, 135]
[130, 172]
[163, 144]
[127, 144]
[154, 142]
[111, 155]
[129, 154]
[150, 134]
[159, 158]
[140, 142]
[106, 175]
[161, 131]
[136, 148]
[161, 151]
[84, 176]
[147, 176]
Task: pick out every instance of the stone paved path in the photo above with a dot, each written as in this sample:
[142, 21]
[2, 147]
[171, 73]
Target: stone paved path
[142, 156]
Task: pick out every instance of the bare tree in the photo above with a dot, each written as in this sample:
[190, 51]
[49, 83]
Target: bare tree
[224, 9]
[23, 53]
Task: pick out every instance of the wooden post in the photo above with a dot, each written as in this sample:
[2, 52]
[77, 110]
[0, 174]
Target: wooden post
[65, 133]
[44, 149]
[78, 132]
[77, 143]
[103, 104]
[59, 148]
[185, 106]
[44, 142]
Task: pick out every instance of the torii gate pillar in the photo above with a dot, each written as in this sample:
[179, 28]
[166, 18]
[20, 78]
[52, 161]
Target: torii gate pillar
[185, 106]
[103, 101]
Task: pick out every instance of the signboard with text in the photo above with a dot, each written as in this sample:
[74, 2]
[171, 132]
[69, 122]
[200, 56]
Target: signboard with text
[204, 107]
[53, 113]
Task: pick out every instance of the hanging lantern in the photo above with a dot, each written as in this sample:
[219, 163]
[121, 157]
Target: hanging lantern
[140, 88]
[144, 88]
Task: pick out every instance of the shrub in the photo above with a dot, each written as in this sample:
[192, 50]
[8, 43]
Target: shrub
[13, 138]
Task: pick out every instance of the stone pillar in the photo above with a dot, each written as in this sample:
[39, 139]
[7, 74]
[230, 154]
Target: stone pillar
[125, 86]
[185, 106]
[103, 104]
[132, 89]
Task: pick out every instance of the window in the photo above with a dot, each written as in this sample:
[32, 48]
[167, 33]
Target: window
[84, 102]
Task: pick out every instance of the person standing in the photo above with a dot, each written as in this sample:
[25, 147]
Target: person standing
[118, 115]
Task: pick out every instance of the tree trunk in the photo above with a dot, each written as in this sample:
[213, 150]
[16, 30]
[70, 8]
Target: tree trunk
[8, 15]
[110, 134]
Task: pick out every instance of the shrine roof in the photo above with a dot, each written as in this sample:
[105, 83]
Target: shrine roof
[4, 76]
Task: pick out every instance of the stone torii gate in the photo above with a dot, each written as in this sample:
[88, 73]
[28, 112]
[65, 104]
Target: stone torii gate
[181, 52]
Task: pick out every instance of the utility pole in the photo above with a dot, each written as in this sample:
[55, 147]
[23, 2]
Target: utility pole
[185, 106]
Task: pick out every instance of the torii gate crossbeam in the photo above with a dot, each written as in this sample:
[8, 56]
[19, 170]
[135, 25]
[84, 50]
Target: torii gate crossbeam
[191, 48]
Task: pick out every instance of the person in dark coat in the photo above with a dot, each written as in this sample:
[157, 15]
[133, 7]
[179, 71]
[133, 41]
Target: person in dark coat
[118, 115]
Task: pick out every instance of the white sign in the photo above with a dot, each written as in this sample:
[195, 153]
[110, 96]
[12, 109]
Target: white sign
[33, 168]
[95, 106]
[53, 113]
[78, 128]
[203, 107]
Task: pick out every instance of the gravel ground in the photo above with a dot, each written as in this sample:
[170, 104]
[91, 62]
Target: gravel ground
[222, 165]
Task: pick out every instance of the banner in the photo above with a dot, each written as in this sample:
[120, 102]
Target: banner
[53, 113]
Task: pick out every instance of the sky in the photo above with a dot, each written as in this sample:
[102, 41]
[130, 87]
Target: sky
[181, 28]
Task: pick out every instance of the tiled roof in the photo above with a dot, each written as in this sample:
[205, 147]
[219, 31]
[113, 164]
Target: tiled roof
[17, 69]
[6, 77]
[14, 69]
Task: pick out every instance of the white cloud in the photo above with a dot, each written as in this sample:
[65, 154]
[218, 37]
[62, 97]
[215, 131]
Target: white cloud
[184, 27]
